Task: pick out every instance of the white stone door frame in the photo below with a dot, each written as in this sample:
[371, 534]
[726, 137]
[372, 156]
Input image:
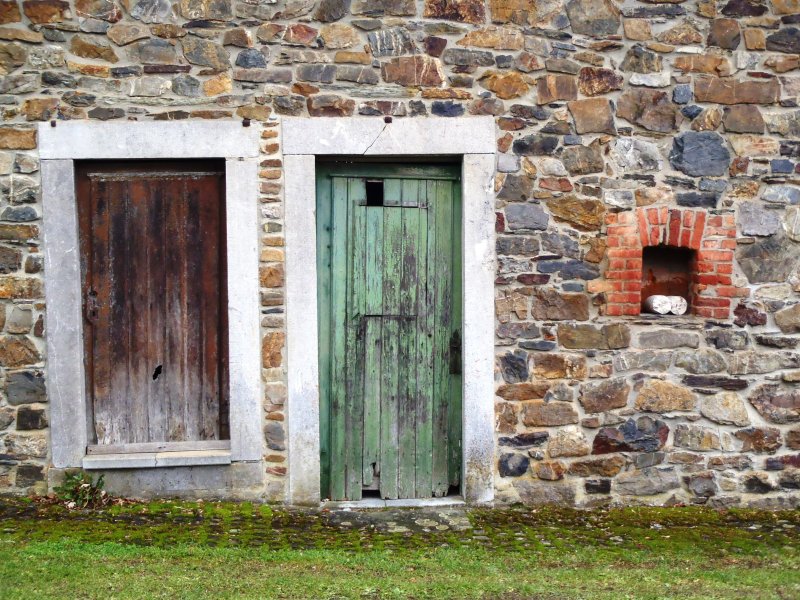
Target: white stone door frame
[472, 139]
[59, 148]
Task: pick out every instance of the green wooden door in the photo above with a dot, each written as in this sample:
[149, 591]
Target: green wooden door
[389, 264]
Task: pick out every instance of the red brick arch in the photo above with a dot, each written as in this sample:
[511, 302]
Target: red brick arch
[712, 237]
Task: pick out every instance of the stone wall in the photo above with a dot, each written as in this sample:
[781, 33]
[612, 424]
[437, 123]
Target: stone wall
[619, 125]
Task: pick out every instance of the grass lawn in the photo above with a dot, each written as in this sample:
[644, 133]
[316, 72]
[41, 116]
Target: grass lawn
[191, 550]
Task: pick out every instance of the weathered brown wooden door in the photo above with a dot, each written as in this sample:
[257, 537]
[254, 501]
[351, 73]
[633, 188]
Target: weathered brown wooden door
[153, 262]
[389, 253]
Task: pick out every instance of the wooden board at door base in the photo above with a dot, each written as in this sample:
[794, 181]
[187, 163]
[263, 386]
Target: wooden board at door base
[389, 268]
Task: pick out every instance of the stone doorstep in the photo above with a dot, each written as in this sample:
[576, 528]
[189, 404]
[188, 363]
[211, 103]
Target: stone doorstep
[378, 503]
[149, 460]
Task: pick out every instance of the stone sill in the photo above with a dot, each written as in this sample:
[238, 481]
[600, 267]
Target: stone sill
[373, 503]
[153, 460]
[689, 321]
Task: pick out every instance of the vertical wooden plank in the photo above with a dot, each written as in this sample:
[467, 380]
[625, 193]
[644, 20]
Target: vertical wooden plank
[454, 408]
[392, 192]
[156, 313]
[207, 307]
[372, 343]
[407, 358]
[355, 349]
[392, 248]
[102, 204]
[338, 337]
[175, 368]
[324, 226]
[425, 331]
[443, 208]
[136, 307]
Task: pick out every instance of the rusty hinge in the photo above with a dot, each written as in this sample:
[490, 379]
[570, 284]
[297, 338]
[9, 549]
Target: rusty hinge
[91, 306]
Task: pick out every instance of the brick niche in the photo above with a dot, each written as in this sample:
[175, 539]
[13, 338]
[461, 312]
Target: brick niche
[712, 237]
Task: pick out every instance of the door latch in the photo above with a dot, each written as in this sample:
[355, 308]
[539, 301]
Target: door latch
[455, 353]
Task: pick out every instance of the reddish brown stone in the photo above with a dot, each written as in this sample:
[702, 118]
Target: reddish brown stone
[467, 11]
[642, 435]
[17, 351]
[775, 404]
[538, 413]
[743, 118]
[271, 276]
[608, 466]
[106, 10]
[330, 105]
[413, 71]
[523, 391]
[731, 91]
[434, 46]
[592, 116]
[87, 47]
[793, 439]
[12, 138]
[556, 87]
[272, 349]
[45, 11]
[759, 439]
[593, 81]
[550, 470]
[558, 366]
[651, 109]
[710, 64]
[498, 38]
[9, 12]
[724, 33]
[680, 35]
[300, 35]
[582, 213]
[40, 109]
[505, 85]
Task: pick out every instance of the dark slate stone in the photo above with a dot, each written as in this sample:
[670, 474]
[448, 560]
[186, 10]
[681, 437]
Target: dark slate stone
[524, 111]
[104, 114]
[53, 35]
[570, 269]
[744, 8]
[516, 188]
[573, 140]
[28, 475]
[699, 153]
[395, 41]
[642, 435]
[790, 19]
[727, 339]
[525, 440]
[10, 259]
[519, 245]
[757, 485]
[697, 199]
[447, 108]
[332, 10]
[573, 286]
[417, 108]
[250, 58]
[518, 330]
[504, 61]
[781, 165]
[597, 486]
[682, 94]
[768, 259]
[690, 112]
[526, 216]
[19, 214]
[274, 434]
[786, 40]
[289, 105]
[165, 69]
[535, 145]
[172, 115]
[52, 78]
[80, 98]
[25, 387]
[776, 341]
[124, 72]
[513, 465]
[538, 345]
[724, 383]
[30, 418]
[514, 366]
[467, 58]
[321, 73]
[657, 10]
[186, 85]
[560, 244]
[279, 76]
